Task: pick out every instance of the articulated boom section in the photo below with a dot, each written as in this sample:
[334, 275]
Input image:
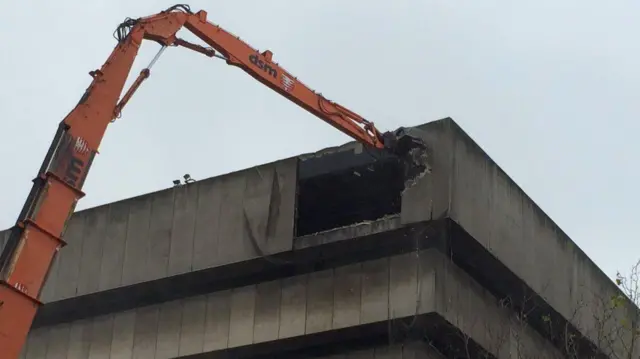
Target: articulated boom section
[37, 235]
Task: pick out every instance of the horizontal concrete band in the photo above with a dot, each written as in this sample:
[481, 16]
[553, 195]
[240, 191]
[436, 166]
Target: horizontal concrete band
[183, 229]
[396, 291]
[362, 341]
[344, 246]
[368, 341]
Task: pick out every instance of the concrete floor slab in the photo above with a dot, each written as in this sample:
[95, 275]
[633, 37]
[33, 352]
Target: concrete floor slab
[418, 283]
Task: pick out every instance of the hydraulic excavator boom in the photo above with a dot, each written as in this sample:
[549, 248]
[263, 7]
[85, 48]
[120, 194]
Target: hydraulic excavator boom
[38, 234]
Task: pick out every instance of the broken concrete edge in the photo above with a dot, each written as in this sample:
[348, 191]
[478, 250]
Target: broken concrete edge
[352, 231]
[406, 147]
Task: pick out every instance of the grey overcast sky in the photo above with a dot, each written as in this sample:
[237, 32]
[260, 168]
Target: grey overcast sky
[548, 88]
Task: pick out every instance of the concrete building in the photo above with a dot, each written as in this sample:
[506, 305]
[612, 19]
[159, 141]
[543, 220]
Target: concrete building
[329, 255]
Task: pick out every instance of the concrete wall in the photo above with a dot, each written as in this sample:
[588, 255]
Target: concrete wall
[469, 187]
[368, 292]
[184, 229]
[177, 230]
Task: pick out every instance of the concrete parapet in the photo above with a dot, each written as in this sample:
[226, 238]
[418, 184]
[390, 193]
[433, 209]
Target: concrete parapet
[216, 221]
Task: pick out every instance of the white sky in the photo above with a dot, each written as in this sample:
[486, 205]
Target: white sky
[548, 88]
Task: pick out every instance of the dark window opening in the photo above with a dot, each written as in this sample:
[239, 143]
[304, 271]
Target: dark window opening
[349, 196]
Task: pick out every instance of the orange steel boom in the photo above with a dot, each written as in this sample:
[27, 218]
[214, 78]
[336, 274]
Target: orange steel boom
[162, 28]
[37, 236]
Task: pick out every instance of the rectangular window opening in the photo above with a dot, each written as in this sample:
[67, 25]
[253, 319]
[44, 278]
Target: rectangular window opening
[349, 196]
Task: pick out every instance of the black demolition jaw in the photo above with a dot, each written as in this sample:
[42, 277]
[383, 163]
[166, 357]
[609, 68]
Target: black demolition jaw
[408, 146]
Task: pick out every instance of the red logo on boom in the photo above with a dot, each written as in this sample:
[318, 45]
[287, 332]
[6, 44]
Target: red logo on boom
[287, 83]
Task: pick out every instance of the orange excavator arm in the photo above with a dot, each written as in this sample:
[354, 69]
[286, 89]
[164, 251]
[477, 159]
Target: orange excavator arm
[162, 28]
[37, 236]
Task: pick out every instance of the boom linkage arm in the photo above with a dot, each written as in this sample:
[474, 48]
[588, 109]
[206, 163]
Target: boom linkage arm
[37, 236]
[259, 65]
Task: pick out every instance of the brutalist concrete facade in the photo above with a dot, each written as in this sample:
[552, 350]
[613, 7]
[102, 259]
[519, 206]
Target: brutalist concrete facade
[327, 255]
